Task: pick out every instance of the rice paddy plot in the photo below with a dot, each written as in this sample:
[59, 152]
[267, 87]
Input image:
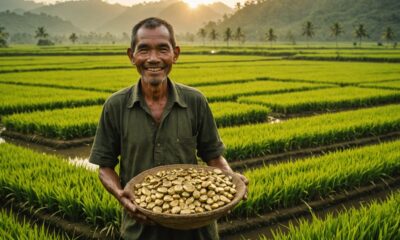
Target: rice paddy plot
[257, 140]
[15, 98]
[289, 184]
[385, 85]
[372, 221]
[324, 99]
[14, 227]
[217, 73]
[72, 123]
[229, 92]
[47, 63]
[53, 184]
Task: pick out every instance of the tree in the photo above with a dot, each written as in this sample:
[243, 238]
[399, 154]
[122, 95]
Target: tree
[227, 36]
[360, 32]
[41, 33]
[3, 37]
[388, 35]
[336, 30]
[202, 33]
[308, 30]
[213, 36]
[239, 35]
[270, 36]
[238, 6]
[73, 37]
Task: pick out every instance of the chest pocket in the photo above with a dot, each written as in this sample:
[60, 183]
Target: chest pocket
[183, 143]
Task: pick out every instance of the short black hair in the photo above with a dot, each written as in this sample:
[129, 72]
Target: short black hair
[152, 23]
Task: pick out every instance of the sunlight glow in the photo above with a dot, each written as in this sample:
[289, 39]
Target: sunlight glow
[193, 3]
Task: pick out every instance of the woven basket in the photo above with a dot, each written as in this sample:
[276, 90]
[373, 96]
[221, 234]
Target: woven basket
[190, 221]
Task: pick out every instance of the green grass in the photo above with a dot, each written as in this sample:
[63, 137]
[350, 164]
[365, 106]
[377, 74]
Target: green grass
[16, 98]
[324, 99]
[70, 123]
[261, 139]
[373, 221]
[52, 184]
[12, 228]
[289, 184]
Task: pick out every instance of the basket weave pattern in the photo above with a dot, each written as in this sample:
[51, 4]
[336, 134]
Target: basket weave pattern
[189, 221]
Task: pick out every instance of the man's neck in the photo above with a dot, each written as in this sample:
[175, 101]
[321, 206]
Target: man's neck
[155, 93]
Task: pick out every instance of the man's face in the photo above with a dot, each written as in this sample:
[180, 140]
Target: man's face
[153, 55]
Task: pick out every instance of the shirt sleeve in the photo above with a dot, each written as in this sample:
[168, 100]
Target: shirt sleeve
[209, 143]
[106, 145]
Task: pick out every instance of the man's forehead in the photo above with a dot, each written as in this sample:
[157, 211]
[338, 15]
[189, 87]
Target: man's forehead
[160, 32]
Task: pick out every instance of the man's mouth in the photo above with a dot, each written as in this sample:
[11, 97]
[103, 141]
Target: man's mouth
[154, 69]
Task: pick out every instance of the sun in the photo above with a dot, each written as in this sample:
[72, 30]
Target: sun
[193, 4]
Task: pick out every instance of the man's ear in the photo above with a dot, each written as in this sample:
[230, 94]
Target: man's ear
[177, 51]
[129, 52]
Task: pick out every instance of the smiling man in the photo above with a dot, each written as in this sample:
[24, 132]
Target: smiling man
[155, 122]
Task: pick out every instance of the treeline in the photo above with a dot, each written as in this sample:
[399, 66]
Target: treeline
[308, 31]
[41, 36]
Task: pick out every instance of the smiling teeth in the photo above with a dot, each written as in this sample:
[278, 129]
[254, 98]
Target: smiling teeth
[154, 69]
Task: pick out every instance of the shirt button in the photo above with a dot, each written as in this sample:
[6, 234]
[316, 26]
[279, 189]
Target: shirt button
[158, 144]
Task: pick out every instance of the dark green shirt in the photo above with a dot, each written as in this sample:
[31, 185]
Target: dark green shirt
[128, 132]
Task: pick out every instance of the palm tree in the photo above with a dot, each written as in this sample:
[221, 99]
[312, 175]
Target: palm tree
[239, 36]
[3, 37]
[270, 36]
[360, 32]
[73, 37]
[388, 35]
[41, 33]
[213, 36]
[336, 30]
[308, 30]
[202, 33]
[227, 36]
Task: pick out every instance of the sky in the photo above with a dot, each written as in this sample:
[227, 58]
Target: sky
[230, 3]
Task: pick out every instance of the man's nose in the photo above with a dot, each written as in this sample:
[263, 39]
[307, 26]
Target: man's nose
[153, 56]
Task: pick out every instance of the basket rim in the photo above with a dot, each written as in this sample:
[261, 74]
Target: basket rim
[240, 187]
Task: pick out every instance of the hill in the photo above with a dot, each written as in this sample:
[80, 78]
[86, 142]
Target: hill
[289, 15]
[18, 5]
[179, 14]
[87, 15]
[29, 22]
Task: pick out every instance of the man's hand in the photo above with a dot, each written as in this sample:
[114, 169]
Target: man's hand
[126, 199]
[110, 180]
[221, 163]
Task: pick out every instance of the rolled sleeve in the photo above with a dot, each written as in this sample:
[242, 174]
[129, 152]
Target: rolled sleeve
[106, 145]
[209, 143]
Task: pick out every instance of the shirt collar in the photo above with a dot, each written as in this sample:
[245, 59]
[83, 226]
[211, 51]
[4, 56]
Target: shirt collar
[174, 95]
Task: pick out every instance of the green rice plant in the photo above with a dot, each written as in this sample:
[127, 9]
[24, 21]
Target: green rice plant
[52, 63]
[261, 139]
[52, 184]
[229, 92]
[70, 123]
[395, 85]
[217, 73]
[232, 113]
[15, 98]
[373, 221]
[12, 228]
[324, 99]
[289, 184]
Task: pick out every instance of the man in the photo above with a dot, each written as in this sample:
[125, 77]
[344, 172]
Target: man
[155, 122]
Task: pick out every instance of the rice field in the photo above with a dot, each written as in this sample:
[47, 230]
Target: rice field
[57, 93]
